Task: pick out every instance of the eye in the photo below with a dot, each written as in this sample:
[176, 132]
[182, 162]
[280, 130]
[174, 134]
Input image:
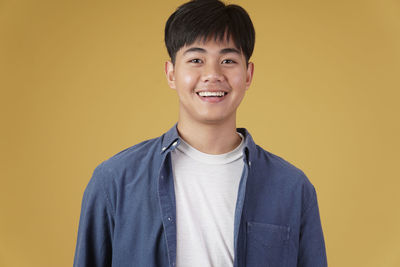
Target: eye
[196, 61]
[228, 61]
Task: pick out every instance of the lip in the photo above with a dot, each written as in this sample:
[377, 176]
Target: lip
[211, 99]
[211, 90]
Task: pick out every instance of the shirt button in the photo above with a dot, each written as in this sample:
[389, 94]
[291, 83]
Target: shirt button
[175, 143]
[249, 163]
[163, 148]
[162, 176]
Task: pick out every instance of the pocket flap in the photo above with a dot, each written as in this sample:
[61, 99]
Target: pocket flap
[269, 235]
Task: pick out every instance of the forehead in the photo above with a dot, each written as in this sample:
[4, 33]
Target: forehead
[214, 40]
[211, 44]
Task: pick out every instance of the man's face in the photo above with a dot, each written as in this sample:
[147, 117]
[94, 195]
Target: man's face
[211, 79]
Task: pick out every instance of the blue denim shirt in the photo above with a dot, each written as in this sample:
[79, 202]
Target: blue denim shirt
[128, 211]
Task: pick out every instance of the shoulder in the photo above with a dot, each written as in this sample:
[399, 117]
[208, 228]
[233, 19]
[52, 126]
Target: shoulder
[265, 163]
[124, 164]
[129, 157]
[282, 175]
[277, 164]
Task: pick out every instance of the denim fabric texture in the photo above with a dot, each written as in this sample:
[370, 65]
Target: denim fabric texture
[128, 211]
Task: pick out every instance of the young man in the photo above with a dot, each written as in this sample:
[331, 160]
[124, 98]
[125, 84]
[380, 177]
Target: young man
[202, 194]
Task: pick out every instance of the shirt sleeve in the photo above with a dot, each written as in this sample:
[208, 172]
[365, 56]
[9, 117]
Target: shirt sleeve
[312, 252]
[95, 233]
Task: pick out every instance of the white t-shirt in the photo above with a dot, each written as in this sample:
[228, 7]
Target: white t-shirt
[206, 188]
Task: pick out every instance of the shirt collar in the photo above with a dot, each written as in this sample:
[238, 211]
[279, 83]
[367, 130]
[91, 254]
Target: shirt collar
[171, 140]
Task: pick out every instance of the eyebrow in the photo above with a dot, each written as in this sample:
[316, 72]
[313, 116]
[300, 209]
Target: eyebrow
[202, 50]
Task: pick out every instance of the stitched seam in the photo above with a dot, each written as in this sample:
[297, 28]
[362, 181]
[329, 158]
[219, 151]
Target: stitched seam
[108, 201]
[159, 203]
[312, 205]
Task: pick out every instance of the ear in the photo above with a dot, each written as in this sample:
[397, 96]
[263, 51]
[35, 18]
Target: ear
[170, 74]
[249, 74]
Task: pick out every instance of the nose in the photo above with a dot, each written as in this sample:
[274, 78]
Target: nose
[212, 73]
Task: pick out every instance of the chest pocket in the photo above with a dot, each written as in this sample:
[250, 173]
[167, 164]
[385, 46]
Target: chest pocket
[267, 245]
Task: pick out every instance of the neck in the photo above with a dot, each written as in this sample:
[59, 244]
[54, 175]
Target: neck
[209, 138]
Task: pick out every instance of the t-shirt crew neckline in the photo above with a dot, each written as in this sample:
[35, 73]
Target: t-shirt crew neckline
[212, 158]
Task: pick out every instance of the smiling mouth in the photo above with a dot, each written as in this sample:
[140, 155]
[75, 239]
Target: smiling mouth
[212, 94]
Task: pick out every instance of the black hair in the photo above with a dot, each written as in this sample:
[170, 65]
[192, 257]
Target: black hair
[202, 19]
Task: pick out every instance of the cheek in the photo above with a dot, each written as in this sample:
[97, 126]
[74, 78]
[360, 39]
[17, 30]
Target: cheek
[238, 79]
[186, 78]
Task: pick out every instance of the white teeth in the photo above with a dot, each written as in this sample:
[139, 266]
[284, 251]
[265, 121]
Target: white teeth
[212, 93]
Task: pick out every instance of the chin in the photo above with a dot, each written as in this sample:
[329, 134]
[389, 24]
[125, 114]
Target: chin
[213, 120]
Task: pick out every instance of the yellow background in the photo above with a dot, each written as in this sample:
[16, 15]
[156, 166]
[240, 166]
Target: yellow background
[82, 80]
